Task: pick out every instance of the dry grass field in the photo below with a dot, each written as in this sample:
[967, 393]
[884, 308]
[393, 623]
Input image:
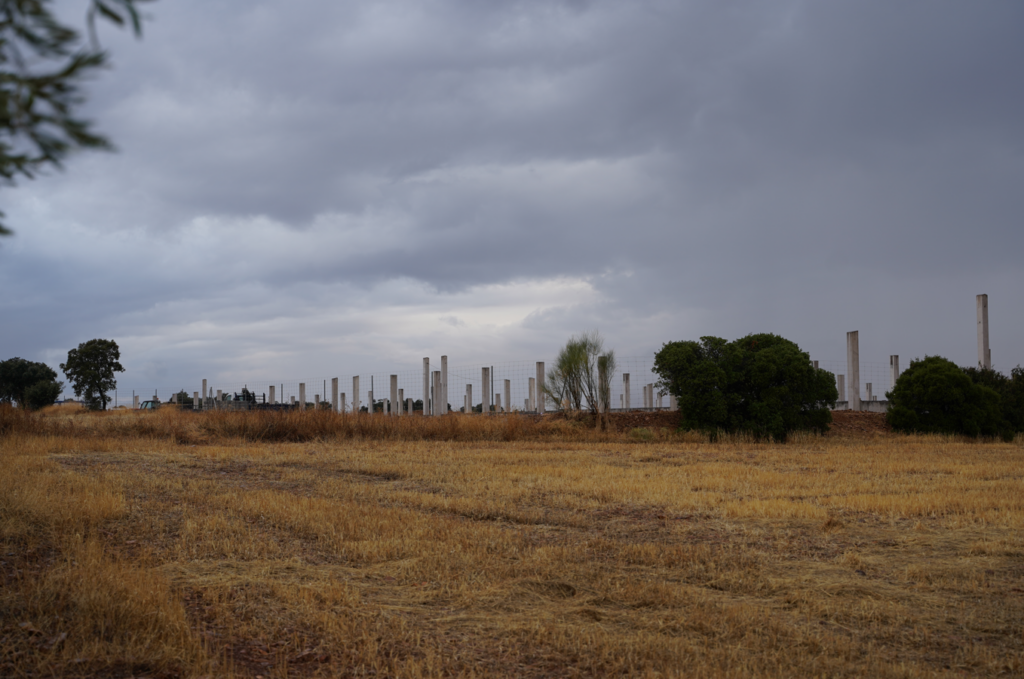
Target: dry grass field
[298, 545]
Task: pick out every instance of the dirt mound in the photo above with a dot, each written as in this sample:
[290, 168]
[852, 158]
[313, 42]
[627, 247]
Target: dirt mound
[853, 423]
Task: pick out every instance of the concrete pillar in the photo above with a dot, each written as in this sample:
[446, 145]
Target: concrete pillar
[293, 400]
[497, 403]
[408, 406]
[469, 398]
[427, 400]
[135, 402]
[853, 369]
[541, 400]
[485, 390]
[894, 370]
[439, 408]
[394, 396]
[867, 386]
[659, 397]
[271, 400]
[984, 353]
[531, 401]
[672, 404]
[355, 394]
[334, 394]
[841, 387]
[508, 395]
[526, 405]
[195, 400]
[316, 401]
[342, 404]
[371, 407]
[204, 394]
[444, 385]
[302, 395]
[401, 402]
[815, 364]
[625, 389]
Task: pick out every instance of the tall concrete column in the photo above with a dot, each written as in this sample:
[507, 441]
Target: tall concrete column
[195, 400]
[204, 394]
[444, 385]
[485, 390]
[408, 406]
[508, 396]
[271, 400]
[469, 398]
[355, 394]
[541, 400]
[334, 394]
[342, 404]
[370, 405]
[531, 401]
[894, 370]
[867, 386]
[841, 387]
[316, 401]
[984, 353]
[426, 388]
[439, 408]
[135, 402]
[401, 402]
[625, 389]
[497, 403]
[673, 405]
[815, 364]
[302, 396]
[853, 369]
[394, 396]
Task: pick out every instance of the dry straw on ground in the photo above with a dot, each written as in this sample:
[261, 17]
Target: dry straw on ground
[175, 544]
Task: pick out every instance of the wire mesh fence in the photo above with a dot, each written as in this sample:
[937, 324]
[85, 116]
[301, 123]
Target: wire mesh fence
[510, 387]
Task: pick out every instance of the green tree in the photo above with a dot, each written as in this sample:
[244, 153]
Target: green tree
[760, 384]
[90, 369]
[574, 382]
[1010, 389]
[19, 379]
[43, 64]
[42, 394]
[934, 395]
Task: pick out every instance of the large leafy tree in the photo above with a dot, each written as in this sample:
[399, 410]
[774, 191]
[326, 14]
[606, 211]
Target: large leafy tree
[43, 64]
[90, 369]
[760, 384]
[934, 395]
[28, 383]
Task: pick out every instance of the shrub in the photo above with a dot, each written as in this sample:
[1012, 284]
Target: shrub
[934, 395]
[760, 384]
[1010, 390]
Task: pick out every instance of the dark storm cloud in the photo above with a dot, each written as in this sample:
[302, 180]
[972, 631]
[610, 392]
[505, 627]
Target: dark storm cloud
[699, 167]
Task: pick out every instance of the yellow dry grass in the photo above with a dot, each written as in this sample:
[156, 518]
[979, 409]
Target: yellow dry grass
[172, 545]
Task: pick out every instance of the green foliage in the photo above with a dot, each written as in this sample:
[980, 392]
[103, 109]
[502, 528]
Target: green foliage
[934, 395]
[90, 368]
[43, 64]
[19, 379]
[760, 384]
[42, 394]
[182, 398]
[1010, 390]
[575, 379]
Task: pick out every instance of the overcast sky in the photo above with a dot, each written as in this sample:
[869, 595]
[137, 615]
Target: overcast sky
[315, 188]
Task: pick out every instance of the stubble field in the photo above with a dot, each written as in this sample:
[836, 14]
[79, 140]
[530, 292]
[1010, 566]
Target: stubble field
[293, 545]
